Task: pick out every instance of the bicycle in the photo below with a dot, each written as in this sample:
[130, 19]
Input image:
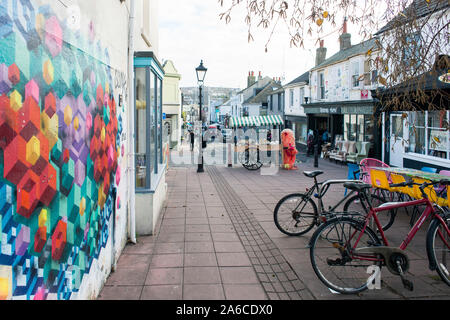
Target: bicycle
[297, 213]
[343, 248]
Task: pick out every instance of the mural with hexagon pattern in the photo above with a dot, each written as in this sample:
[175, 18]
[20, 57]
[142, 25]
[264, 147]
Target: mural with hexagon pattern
[60, 130]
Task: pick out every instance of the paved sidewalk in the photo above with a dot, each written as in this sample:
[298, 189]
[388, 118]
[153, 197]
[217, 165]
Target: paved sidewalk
[216, 239]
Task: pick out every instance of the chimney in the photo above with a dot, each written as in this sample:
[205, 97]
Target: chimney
[250, 79]
[345, 38]
[321, 53]
[259, 76]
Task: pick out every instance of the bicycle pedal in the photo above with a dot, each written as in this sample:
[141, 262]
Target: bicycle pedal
[407, 284]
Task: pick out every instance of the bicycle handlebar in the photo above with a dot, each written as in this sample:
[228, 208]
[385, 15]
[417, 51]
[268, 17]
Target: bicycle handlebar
[423, 185]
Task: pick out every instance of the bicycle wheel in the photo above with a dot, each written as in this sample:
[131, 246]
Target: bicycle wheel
[438, 247]
[353, 204]
[295, 214]
[332, 254]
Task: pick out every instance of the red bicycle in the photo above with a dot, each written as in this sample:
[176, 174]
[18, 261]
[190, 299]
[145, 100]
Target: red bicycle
[343, 249]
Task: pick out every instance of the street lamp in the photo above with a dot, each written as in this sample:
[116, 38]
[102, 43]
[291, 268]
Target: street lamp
[201, 73]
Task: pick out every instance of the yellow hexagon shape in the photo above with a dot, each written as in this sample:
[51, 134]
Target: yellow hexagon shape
[42, 220]
[4, 288]
[82, 206]
[33, 150]
[5, 282]
[15, 100]
[76, 123]
[103, 134]
[49, 126]
[68, 115]
[48, 72]
[101, 197]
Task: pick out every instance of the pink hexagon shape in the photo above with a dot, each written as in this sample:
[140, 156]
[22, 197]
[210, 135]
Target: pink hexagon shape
[118, 175]
[32, 90]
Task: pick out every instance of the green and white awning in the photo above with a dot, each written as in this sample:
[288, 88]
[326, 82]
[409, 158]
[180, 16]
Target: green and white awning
[270, 120]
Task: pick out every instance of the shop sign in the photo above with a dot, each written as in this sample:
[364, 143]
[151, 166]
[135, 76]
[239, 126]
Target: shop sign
[330, 110]
[364, 94]
[327, 110]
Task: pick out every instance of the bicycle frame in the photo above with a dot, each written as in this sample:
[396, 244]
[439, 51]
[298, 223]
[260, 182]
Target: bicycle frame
[429, 210]
[323, 190]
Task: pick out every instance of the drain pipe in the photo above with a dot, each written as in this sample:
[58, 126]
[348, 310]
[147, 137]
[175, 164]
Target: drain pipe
[131, 168]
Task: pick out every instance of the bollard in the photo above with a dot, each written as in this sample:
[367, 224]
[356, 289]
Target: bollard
[316, 155]
[230, 160]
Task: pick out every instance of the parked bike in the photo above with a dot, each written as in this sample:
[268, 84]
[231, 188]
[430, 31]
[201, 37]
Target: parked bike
[343, 248]
[297, 213]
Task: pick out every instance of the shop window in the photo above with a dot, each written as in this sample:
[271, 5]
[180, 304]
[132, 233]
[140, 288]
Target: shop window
[367, 75]
[302, 96]
[368, 128]
[416, 132]
[142, 157]
[159, 119]
[437, 133]
[360, 126]
[148, 125]
[346, 126]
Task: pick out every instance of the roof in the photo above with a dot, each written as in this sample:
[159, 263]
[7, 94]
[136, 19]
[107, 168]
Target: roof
[303, 78]
[257, 121]
[417, 9]
[261, 97]
[354, 50]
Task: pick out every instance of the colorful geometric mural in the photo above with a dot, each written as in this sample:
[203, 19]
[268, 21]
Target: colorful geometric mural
[60, 133]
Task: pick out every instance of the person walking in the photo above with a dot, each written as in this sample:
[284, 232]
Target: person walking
[191, 133]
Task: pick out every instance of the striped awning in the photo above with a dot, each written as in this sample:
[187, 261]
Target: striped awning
[256, 121]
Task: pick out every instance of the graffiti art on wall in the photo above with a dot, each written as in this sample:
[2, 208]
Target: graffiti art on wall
[60, 133]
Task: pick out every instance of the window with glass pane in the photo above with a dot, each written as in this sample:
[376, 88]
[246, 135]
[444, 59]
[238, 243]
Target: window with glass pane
[352, 127]
[368, 128]
[159, 115]
[153, 119]
[360, 125]
[141, 112]
[437, 133]
[346, 126]
[416, 132]
[321, 86]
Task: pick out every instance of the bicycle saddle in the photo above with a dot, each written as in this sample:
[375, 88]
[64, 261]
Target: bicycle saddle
[312, 174]
[357, 186]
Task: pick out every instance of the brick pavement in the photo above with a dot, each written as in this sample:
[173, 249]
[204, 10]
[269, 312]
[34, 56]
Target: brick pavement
[216, 240]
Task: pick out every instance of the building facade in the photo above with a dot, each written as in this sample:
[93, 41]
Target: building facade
[67, 139]
[296, 93]
[340, 99]
[172, 104]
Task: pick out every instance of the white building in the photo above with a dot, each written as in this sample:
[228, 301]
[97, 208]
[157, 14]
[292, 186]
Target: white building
[295, 117]
[172, 104]
[340, 99]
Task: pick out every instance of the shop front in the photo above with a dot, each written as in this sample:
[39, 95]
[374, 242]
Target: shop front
[418, 136]
[150, 160]
[353, 121]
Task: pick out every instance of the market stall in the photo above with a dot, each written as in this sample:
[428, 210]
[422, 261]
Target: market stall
[249, 144]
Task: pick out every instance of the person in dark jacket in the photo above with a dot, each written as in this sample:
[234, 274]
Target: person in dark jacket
[191, 133]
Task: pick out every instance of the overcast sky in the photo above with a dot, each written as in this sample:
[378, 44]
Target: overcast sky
[191, 30]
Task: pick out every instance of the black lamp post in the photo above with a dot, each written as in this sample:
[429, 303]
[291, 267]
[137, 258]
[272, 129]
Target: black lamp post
[201, 73]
